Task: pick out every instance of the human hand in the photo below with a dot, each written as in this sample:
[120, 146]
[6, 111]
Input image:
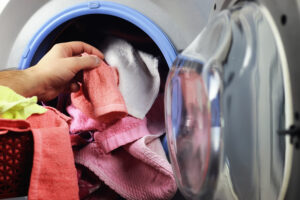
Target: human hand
[56, 71]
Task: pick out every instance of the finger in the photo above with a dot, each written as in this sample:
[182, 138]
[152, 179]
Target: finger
[75, 64]
[71, 87]
[74, 87]
[77, 47]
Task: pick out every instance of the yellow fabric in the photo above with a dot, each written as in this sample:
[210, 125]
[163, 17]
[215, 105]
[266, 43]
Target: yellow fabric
[15, 106]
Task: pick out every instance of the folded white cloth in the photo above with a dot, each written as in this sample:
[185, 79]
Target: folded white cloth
[138, 74]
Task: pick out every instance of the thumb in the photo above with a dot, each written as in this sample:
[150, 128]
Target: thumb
[84, 62]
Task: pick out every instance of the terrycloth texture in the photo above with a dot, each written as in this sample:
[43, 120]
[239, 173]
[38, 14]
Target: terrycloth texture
[124, 131]
[108, 136]
[99, 96]
[138, 170]
[138, 75]
[15, 106]
[13, 125]
[53, 173]
[80, 122]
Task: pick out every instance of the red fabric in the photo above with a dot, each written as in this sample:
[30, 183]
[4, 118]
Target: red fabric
[99, 96]
[53, 173]
[13, 125]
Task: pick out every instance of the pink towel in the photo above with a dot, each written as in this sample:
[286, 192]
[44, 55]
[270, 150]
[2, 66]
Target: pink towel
[124, 131]
[13, 125]
[53, 173]
[80, 122]
[99, 96]
[139, 76]
[139, 170]
[108, 136]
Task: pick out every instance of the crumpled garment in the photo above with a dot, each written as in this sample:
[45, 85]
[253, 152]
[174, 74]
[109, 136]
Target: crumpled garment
[15, 106]
[139, 170]
[99, 96]
[139, 78]
[107, 136]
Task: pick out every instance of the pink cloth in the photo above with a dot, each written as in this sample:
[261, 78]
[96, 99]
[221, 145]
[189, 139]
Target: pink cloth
[108, 136]
[80, 122]
[138, 170]
[53, 173]
[99, 96]
[124, 131]
[13, 125]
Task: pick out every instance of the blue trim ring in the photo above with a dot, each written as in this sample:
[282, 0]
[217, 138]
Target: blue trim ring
[107, 8]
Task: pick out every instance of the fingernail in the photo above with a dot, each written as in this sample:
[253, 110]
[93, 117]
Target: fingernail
[84, 54]
[97, 60]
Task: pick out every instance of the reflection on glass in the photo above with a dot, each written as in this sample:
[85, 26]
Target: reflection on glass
[224, 103]
[193, 97]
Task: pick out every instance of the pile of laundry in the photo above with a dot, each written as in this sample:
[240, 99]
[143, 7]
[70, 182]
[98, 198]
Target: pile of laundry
[112, 134]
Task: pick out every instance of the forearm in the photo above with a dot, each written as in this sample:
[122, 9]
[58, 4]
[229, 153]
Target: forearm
[24, 82]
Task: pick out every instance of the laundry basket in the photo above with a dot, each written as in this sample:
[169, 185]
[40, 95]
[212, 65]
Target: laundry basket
[16, 154]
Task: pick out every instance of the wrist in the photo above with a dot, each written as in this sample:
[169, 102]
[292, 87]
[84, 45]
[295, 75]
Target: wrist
[35, 85]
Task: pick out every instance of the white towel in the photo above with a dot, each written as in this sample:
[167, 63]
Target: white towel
[138, 75]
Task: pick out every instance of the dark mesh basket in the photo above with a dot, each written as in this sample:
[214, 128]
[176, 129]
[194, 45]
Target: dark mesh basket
[16, 154]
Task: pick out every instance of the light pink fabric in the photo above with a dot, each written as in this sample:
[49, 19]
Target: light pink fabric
[108, 136]
[99, 96]
[124, 131]
[80, 122]
[138, 170]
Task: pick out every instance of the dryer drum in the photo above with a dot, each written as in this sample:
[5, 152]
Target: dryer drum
[90, 22]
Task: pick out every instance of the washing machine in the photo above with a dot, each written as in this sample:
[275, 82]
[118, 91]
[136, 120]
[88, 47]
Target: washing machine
[230, 68]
